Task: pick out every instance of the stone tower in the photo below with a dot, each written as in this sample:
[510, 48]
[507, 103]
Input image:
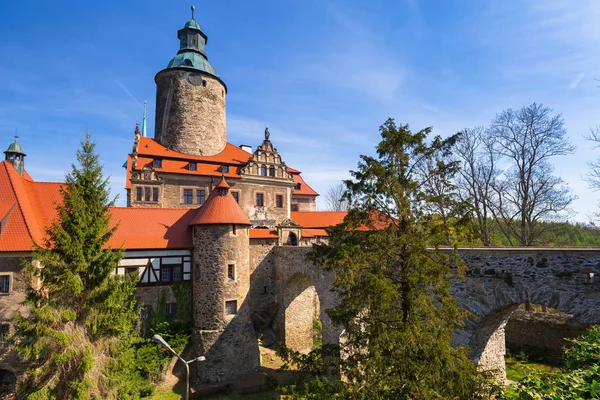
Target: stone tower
[223, 331]
[14, 155]
[190, 98]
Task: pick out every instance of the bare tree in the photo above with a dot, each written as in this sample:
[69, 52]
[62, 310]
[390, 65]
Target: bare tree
[335, 199]
[479, 170]
[527, 192]
[593, 176]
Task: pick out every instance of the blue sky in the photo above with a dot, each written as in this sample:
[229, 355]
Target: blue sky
[322, 74]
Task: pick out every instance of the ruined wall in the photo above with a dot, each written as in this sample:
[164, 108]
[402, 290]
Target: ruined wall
[542, 330]
[190, 112]
[225, 338]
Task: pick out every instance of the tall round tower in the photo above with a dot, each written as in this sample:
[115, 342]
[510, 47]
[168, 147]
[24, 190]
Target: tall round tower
[190, 98]
[223, 331]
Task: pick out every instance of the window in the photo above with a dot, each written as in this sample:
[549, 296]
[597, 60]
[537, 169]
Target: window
[154, 194]
[4, 329]
[138, 194]
[171, 310]
[177, 273]
[236, 196]
[200, 196]
[231, 307]
[165, 274]
[271, 171]
[231, 272]
[147, 194]
[298, 186]
[279, 201]
[294, 207]
[131, 270]
[187, 196]
[158, 163]
[234, 229]
[225, 169]
[260, 199]
[263, 170]
[193, 166]
[4, 284]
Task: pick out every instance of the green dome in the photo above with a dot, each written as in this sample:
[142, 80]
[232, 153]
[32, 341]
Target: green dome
[192, 60]
[15, 148]
[192, 24]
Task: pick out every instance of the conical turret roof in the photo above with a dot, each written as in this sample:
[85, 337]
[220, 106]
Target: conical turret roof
[220, 208]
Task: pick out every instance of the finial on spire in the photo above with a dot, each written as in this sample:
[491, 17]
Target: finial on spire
[193, 9]
[144, 121]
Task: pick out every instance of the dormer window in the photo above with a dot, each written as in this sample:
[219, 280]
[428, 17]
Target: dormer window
[298, 186]
[157, 163]
[225, 169]
[193, 166]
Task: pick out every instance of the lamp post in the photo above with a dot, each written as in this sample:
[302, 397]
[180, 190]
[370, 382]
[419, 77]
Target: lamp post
[158, 339]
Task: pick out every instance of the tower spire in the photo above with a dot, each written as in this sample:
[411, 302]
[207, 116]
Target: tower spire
[144, 121]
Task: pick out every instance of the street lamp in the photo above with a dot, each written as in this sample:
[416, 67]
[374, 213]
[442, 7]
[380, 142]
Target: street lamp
[158, 339]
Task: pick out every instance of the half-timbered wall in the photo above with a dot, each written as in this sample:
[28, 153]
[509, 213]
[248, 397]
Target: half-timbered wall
[159, 267]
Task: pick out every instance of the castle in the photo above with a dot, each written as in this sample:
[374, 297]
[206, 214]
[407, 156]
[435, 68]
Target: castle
[200, 211]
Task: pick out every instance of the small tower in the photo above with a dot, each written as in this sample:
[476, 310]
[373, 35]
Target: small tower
[15, 155]
[190, 98]
[223, 331]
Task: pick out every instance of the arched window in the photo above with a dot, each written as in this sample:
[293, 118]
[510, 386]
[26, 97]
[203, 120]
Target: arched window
[263, 170]
[271, 171]
[292, 239]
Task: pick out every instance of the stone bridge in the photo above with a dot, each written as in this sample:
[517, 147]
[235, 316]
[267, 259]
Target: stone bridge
[497, 282]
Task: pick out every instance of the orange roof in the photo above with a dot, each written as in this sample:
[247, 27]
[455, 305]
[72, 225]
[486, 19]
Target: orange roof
[26, 208]
[151, 228]
[304, 188]
[308, 233]
[318, 219]
[263, 234]
[230, 155]
[220, 209]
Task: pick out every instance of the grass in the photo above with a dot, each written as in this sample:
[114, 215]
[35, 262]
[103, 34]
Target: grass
[515, 369]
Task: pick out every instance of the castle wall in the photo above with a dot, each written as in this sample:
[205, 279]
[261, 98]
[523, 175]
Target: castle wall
[190, 112]
[304, 203]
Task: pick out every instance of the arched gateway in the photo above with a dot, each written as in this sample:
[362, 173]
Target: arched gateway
[497, 282]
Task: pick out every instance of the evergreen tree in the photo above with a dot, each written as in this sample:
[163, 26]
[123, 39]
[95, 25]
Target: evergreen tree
[395, 304]
[79, 333]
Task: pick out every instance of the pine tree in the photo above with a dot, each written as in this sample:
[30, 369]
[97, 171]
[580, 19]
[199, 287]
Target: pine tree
[395, 304]
[78, 335]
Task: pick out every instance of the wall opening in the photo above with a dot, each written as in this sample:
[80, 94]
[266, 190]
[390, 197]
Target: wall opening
[303, 329]
[520, 334]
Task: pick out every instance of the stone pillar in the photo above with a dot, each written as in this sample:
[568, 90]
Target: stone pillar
[223, 331]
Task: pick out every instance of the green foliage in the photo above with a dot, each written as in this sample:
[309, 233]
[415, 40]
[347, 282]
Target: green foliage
[579, 380]
[80, 334]
[395, 304]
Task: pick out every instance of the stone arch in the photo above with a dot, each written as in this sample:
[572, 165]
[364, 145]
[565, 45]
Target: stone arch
[292, 239]
[492, 305]
[301, 308]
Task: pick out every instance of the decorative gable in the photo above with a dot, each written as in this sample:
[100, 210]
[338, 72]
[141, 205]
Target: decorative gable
[266, 162]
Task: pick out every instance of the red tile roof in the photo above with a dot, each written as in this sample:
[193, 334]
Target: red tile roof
[220, 209]
[318, 219]
[309, 233]
[230, 155]
[263, 234]
[151, 228]
[305, 190]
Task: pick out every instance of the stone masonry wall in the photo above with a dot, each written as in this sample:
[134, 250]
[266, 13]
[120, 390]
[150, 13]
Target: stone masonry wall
[10, 305]
[190, 112]
[226, 340]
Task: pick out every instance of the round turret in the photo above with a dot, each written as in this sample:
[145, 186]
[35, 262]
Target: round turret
[190, 98]
[15, 155]
[223, 330]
